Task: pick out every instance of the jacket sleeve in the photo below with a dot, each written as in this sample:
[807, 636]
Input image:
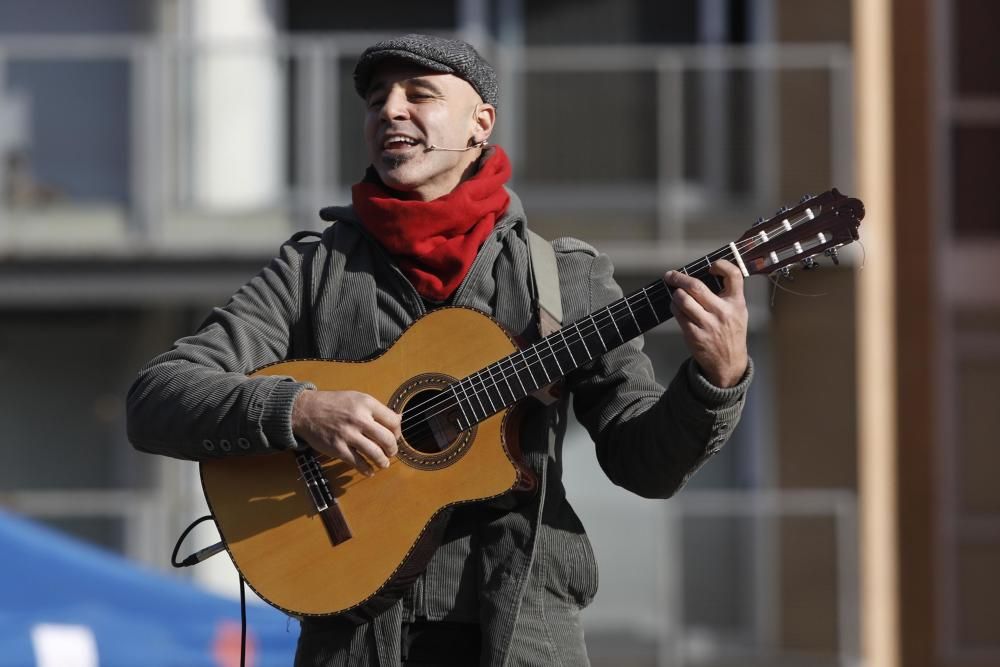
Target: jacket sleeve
[195, 401]
[649, 440]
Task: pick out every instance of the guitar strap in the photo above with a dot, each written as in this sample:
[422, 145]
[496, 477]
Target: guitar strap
[544, 273]
[545, 276]
[302, 335]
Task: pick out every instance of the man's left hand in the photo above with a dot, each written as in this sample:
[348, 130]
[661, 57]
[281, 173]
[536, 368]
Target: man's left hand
[714, 326]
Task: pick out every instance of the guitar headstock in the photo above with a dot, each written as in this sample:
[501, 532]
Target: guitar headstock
[816, 225]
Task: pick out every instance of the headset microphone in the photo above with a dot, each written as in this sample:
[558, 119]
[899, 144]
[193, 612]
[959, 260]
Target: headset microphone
[432, 147]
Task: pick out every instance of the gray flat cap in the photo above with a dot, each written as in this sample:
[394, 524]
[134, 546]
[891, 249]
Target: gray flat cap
[450, 56]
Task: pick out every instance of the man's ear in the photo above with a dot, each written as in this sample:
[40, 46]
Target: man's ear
[484, 117]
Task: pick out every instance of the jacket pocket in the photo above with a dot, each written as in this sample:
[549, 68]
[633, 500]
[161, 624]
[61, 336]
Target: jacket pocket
[570, 567]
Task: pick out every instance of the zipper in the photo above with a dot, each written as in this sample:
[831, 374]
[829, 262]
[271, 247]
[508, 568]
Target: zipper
[413, 297]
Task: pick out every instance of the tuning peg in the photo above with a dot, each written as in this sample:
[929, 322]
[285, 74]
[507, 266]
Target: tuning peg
[760, 221]
[833, 254]
[806, 197]
[786, 273]
[809, 264]
[782, 210]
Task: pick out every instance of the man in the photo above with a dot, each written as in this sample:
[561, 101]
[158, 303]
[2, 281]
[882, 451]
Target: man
[432, 224]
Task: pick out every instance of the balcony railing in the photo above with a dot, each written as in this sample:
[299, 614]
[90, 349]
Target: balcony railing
[138, 145]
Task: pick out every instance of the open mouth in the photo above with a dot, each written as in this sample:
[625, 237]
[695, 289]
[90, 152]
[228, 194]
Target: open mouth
[397, 143]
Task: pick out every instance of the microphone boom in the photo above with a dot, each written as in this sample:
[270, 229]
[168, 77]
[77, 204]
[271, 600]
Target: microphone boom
[432, 147]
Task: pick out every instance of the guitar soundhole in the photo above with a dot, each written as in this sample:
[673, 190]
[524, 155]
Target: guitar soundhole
[419, 433]
[431, 438]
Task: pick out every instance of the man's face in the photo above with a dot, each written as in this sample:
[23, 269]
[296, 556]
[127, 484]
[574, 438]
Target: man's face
[410, 108]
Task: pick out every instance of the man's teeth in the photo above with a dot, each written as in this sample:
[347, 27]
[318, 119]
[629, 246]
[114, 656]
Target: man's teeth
[400, 140]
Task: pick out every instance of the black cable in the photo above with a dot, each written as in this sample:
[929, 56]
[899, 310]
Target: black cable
[193, 558]
[243, 621]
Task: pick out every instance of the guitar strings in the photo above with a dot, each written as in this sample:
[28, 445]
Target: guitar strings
[482, 385]
[596, 325]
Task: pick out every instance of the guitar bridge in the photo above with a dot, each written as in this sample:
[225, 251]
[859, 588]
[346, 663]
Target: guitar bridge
[319, 491]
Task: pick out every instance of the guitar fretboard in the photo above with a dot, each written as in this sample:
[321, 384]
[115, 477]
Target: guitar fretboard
[504, 382]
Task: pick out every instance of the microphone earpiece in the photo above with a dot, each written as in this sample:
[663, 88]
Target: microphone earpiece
[432, 147]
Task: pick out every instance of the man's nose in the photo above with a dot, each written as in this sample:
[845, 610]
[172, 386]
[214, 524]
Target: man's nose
[396, 105]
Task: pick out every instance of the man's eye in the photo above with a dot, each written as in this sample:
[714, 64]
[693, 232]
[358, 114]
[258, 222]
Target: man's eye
[375, 102]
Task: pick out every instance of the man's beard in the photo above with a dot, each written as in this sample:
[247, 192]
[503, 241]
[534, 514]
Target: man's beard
[395, 161]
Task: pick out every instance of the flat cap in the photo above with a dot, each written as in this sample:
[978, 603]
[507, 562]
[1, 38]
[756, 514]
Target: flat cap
[449, 56]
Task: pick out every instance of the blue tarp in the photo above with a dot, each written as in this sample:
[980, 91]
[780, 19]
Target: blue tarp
[135, 616]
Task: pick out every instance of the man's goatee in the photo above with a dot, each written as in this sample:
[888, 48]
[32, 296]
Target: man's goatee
[393, 161]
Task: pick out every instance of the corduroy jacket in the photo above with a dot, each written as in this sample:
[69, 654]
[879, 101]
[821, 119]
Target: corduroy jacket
[522, 566]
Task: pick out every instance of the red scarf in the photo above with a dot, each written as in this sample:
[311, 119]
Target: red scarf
[435, 242]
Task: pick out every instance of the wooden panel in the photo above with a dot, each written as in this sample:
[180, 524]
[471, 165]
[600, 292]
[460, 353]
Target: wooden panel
[813, 348]
[974, 181]
[978, 423]
[916, 312]
[979, 598]
[809, 586]
[816, 424]
[813, 21]
[975, 32]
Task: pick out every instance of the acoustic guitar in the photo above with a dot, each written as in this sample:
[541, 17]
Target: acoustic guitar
[312, 536]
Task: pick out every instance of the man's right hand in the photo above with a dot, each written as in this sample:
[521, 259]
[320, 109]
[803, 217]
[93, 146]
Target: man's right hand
[347, 425]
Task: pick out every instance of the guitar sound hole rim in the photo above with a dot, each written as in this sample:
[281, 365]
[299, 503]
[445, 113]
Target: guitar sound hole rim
[413, 456]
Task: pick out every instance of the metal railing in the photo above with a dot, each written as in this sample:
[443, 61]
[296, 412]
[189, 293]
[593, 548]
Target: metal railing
[647, 586]
[656, 154]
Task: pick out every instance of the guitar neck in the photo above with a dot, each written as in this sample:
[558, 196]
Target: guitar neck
[505, 382]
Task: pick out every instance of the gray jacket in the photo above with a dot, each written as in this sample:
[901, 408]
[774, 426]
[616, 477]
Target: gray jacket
[526, 561]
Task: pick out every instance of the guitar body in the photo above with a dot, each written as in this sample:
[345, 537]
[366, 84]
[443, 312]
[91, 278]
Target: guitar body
[270, 524]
